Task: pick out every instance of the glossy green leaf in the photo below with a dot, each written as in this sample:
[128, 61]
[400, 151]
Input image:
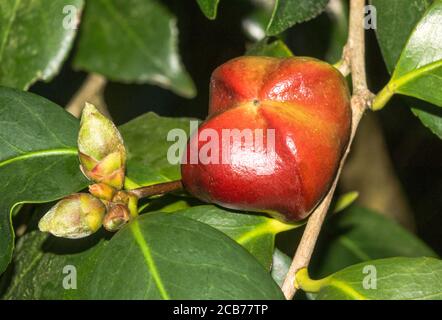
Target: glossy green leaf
[38, 157]
[132, 41]
[256, 233]
[35, 38]
[192, 261]
[287, 13]
[418, 72]
[209, 7]
[271, 48]
[395, 21]
[385, 279]
[359, 234]
[147, 145]
[157, 256]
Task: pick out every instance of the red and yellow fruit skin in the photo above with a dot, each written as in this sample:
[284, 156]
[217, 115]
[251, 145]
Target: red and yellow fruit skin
[306, 102]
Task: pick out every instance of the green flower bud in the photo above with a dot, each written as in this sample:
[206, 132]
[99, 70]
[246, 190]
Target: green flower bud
[117, 216]
[76, 216]
[102, 191]
[128, 199]
[101, 149]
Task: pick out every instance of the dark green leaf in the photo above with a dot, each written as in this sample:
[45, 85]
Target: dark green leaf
[386, 279]
[38, 157]
[192, 261]
[256, 233]
[35, 38]
[146, 140]
[395, 21]
[42, 261]
[287, 13]
[157, 256]
[271, 48]
[357, 235]
[430, 115]
[132, 41]
[418, 72]
[209, 7]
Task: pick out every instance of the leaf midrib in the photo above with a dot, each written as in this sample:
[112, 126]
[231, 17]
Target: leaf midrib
[270, 227]
[346, 289]
[38, 154]
[398, 82]
[144, 247]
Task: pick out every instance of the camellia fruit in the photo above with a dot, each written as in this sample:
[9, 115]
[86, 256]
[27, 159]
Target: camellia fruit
[276, 131]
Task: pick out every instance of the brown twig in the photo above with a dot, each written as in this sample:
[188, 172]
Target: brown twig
[90, 91]
[361, 99]
[157, 189]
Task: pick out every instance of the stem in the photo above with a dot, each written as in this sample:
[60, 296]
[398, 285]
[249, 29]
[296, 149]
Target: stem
[361, 99]
[157, 189]
[91, 90]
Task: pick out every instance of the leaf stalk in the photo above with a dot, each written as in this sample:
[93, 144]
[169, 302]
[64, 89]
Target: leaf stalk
[304, 282]
[382, 98]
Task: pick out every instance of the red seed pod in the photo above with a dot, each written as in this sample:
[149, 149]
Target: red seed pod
[276, 131]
